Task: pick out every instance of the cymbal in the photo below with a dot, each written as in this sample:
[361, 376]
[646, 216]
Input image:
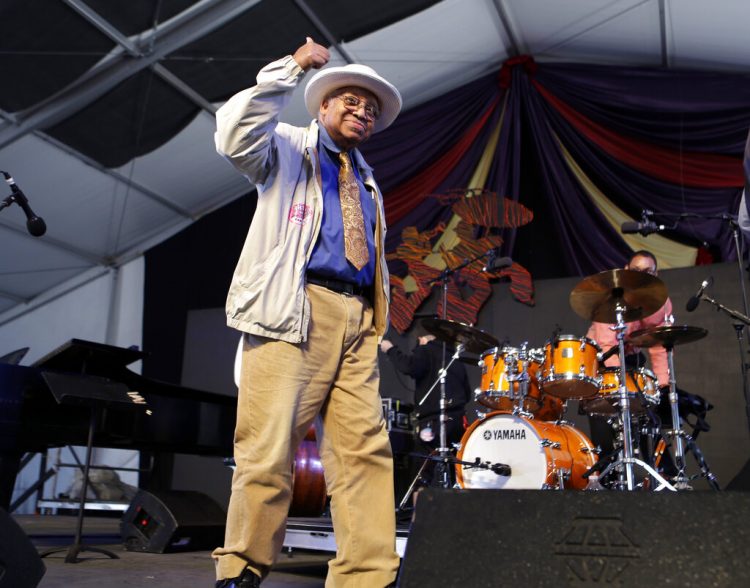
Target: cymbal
[667, 336]
[596, 297]
[474, 340]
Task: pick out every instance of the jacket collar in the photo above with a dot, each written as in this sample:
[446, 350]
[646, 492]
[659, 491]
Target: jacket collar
[315, 134]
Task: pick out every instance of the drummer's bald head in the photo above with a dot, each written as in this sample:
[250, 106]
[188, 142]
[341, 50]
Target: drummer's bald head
[643, 261]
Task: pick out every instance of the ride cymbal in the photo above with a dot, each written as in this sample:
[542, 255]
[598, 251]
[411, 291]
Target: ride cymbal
[666, 336]
[597, 297]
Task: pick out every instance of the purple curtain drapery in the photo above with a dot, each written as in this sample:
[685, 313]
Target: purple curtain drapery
[685, 112]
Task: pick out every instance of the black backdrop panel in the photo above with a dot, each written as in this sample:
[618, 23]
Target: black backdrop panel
[543, 538]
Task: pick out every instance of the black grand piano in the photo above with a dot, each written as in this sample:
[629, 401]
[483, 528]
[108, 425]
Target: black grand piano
[49, 404]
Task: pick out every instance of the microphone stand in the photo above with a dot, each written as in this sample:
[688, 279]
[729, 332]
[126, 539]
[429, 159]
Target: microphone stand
[743, 321]
[743, 333]
[6, 202]
[736, 237]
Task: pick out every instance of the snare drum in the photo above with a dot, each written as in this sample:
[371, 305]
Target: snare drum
[607, 402]
[540, 454]
[570, 367]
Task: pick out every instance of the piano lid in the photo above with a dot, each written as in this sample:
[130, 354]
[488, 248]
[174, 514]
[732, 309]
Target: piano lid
[78, 355]
[14, 357]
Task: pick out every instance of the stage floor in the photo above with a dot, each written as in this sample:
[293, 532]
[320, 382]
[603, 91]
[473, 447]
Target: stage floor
[193, 569]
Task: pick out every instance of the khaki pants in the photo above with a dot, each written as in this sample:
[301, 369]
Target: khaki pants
[283, 387]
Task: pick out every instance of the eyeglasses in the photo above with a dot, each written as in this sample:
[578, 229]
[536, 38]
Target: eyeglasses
[646, 270]
[372, 113]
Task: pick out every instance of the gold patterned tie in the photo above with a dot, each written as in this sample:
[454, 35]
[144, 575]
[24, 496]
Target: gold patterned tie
[355, 242]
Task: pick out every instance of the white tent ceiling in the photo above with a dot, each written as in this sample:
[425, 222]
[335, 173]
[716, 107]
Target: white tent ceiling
[98, 217]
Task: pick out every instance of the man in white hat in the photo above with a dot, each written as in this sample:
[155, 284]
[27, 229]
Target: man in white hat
[310, 293]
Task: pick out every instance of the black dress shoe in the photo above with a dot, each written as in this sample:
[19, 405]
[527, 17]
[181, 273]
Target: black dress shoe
[247, 579]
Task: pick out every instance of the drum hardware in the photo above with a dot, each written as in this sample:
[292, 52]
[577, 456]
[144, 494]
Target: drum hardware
[607, 354]
[510, 383]
[600, 464]
[622, 295]
[482, 414]
[668, 336]
[464, 338]
[501, 469]
[594, 485]
[410, 489]
[705, 470]
[561, 474]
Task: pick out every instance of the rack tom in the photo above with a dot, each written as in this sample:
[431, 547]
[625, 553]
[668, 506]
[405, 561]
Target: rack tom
[570, 367]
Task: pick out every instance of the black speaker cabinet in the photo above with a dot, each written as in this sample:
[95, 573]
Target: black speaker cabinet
[20, 565]
[547, 538]
[175, 520]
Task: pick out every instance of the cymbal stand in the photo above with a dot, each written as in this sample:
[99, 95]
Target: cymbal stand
[680, 480]
[705, 470]
[627, 461]
[521, 377]
[443, 449]
[410, 489]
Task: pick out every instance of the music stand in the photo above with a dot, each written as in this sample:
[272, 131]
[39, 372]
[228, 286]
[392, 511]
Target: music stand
[96, 393]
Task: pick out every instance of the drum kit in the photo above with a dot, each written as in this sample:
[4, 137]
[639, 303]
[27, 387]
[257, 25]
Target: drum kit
[523, 441]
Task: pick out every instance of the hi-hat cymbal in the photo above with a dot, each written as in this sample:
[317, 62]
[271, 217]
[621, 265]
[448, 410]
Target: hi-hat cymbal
[666, 336]
[596, 297]
[474, 340]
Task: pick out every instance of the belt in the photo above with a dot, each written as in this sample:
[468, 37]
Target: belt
[338, 285]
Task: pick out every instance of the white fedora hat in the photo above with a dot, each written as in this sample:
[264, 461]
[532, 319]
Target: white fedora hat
[327, 80]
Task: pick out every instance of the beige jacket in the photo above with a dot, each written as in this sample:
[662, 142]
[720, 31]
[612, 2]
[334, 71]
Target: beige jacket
[267, 294]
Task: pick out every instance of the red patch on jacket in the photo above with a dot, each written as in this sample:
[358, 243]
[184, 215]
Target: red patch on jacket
[299, 214]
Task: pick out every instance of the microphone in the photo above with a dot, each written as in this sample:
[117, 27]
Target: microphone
[693, 302]
[494, 262]
[34, 224]
[644, 228]
[501, 469]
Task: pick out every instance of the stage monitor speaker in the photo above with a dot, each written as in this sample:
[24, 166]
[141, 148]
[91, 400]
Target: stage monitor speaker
[20, 564]
[170, 521]
[741, 480]
[558, 539]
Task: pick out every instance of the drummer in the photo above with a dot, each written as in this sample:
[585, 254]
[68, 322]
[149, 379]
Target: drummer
[606, 337]
[424, 364]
